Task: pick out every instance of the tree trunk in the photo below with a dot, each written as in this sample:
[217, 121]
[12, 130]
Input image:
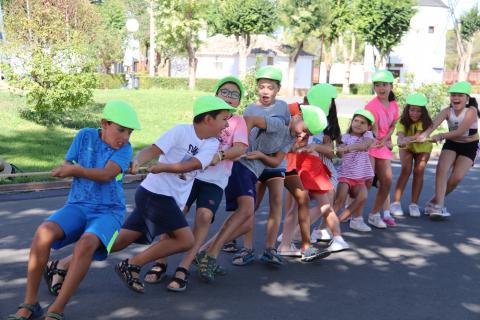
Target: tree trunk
[329, 60]
[322, 40]
[292, 62]
[245, 44]
[348, 56]
[192, 64]
[151, 51]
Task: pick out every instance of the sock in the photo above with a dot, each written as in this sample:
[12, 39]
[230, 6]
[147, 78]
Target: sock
[386, 214]
[340, 238]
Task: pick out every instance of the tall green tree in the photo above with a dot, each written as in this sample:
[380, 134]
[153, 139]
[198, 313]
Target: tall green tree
[302, 19]
[382, 23]
[244, 19]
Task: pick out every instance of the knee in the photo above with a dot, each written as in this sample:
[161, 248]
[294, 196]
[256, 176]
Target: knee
[87, 244]
[187, 241]
[418, 172]
[48, 232]
[203, 216]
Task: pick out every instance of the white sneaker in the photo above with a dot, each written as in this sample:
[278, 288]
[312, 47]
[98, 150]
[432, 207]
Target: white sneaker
[445, 212]
[359, 225]
[337, 245]
[414, 210]
[396, 209]
[376, 221]
[320, 235]
[292, 252]
[279, 238]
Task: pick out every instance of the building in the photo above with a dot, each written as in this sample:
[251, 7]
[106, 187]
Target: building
[218, 57]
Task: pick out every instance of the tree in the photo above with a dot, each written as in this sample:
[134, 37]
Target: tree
[466, 30]
[382, 23]
[244, 19]
[302, 19]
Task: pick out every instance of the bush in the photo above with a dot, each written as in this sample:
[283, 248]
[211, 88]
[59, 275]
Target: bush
[357, 88]
[110, 81]
[147, 82]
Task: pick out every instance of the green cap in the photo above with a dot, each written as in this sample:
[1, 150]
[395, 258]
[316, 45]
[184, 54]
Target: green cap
[209, 103]
[122, 113]
[417, 99]
[321, 95]
[461, 87]
[235, 80]
[269, 72]
[314, 118]
[365, 113]
[382, 76]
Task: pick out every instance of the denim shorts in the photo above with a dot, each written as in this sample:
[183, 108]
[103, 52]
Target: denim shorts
[242, 182]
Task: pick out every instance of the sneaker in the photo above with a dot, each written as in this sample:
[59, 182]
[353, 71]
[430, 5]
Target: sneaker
[414, 210]
[359, 225]
[320, 235]
[270, 256]
[445, 212]
[337, 245]
[428, 208]
[376, 221]
[389, 221]
[207, 268]
[396, 209]
[292, 252]
[439, 213]
[279, 238]
[311, 254]
[296, 237]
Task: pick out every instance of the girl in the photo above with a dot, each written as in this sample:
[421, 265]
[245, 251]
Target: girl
[355, 169]
[385, 111]
[460, 148]
[414, 120]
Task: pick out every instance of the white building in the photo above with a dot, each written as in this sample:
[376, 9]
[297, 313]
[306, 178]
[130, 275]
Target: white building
[218, 58]
[423, 48]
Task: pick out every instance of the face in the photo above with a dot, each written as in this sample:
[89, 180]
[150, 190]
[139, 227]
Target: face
[360, 125]
[415, 113]
[382, 89]
[267, 90]
[218, 123]
[230, 93]
[115, 135]
[299, 128]
[458, 100]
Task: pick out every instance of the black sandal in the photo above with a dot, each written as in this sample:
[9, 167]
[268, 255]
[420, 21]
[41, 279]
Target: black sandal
[159, 274]
[36, 312]
[124, 271]
[50, 271]
[230, 247]
[182, 283]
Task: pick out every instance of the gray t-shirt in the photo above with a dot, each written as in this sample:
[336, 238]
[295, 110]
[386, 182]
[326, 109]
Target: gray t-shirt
[276, 137]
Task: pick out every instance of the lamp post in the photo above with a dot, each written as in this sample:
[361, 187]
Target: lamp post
[131, 52]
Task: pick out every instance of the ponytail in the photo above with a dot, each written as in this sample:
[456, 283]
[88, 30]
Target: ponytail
[472, 102]
[391, 96]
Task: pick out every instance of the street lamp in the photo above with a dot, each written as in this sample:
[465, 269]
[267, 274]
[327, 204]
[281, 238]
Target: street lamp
[132, 53]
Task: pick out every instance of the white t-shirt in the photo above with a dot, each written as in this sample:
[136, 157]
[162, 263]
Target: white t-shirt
[179, 144]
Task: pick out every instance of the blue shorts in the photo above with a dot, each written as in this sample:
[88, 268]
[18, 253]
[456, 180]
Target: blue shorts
[205, 195]
[75, 220]
[242, 182]
[154, 214]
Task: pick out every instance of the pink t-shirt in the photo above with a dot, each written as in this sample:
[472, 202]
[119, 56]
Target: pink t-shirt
[235, 132]
[384, 117]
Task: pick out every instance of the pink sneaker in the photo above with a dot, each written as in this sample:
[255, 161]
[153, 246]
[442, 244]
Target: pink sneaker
[389, 221]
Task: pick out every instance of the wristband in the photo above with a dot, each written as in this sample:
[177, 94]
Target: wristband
[222, 154]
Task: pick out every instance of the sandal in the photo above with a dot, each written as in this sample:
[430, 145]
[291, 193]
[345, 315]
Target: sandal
[55, 315]
[270, 256]
[50, 271]
[182, 283]
[230, 247]
[159, 270]
[35, 309]
[124, 271]
[244, 257]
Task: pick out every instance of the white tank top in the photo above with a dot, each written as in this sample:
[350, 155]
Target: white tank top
[454, 122]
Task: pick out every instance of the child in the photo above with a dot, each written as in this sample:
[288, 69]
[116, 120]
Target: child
[413, 122]
[207, 190]
[355, 169]
[97, 160]
[240, 192]
[268, 80]
[160, 198]
[461, 143]
[385, 111]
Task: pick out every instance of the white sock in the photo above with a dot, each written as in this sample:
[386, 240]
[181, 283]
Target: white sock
[339, 238]
[386, 214]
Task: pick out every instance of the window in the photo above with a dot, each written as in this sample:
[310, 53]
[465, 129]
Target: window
[270, 61]
[431, 29]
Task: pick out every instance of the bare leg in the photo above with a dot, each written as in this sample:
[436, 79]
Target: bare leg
[384, 174]
[248, 238]
[406, 158]
[275, 192]
[445, 162]
[460, 168]
[421, 161]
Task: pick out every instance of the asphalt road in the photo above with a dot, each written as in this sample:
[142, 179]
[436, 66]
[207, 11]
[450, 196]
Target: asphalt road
[417, 270]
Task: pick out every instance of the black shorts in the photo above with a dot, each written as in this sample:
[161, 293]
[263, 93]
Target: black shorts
[205, 195]
[468, 149]
[268, 174]
[153, 215]
[294, 172]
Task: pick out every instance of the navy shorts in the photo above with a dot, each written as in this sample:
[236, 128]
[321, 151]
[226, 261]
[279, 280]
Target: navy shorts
[205, 195]
[154, 214]
[75, 220]
[242, 182]
[468, 149]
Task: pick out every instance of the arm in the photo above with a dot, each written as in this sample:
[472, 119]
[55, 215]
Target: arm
[179, 167]
[233, 153]
[320, 148]
[436, 122]
[273, 162]
[362, 146]
[101, 175]
[470, 117]
[269, 124]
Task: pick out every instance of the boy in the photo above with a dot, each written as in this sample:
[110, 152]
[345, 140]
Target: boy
[92, 216]
[240, 192]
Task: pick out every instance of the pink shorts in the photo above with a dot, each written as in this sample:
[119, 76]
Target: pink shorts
[353, 182]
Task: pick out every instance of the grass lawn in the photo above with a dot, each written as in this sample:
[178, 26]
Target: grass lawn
[35, 148]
